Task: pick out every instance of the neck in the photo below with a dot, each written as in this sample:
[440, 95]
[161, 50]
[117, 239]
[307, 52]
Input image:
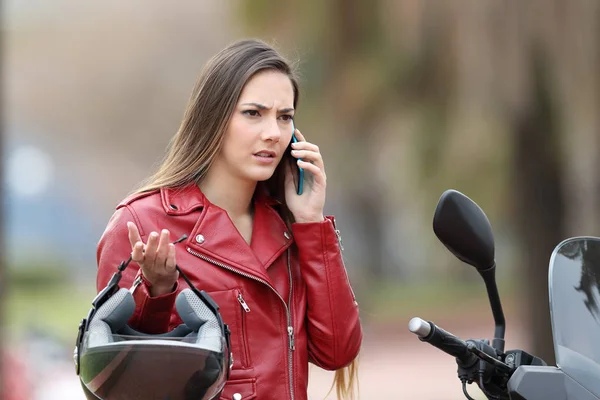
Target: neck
[232, 195]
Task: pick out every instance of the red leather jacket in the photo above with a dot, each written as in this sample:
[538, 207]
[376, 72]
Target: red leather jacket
[286, 297]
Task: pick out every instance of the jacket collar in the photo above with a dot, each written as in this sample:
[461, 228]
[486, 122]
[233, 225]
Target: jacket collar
[215, 236]
[181, 201]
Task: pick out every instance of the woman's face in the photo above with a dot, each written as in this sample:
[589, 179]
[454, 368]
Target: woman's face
[260, 128]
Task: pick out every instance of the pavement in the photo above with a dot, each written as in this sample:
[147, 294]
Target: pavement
[396, 365]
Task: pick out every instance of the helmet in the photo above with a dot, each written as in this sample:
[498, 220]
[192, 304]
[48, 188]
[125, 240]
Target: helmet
[192, 361]
[114, 361]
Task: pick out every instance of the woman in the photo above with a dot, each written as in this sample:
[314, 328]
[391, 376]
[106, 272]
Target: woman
[265, 254]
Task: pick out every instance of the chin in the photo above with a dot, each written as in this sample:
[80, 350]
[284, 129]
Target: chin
[259, 175]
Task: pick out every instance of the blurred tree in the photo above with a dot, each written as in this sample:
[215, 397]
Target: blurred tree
[539, 202]
[555, 129]
[346, 61]
[359, 76]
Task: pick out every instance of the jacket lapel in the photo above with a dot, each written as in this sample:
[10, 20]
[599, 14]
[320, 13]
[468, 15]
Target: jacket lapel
[215, 237]
[270, 235]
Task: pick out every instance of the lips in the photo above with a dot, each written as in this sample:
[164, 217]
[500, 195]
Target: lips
[265, 154]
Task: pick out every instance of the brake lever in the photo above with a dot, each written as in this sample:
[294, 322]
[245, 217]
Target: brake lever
[489, 359]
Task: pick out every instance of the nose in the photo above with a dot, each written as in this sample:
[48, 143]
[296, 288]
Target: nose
[271, 131]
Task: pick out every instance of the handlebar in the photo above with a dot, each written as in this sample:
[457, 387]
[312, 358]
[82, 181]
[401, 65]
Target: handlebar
[428, 332]
[477, 360]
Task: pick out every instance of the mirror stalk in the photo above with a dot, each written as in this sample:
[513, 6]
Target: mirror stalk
[489, 277]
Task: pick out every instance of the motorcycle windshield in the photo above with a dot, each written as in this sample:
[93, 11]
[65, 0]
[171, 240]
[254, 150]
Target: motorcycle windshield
[574, 279]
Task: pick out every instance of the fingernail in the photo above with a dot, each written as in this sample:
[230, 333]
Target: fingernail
[294, 145]
[154, 235]
[165, 232]
[294, 151]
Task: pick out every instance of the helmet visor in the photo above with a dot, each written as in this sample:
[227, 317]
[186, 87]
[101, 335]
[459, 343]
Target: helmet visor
[128, 367]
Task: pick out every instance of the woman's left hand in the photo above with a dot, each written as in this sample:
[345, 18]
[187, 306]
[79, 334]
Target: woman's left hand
[307, 207]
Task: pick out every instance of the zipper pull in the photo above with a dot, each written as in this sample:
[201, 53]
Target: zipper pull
[242, 302]
[339, 237]
[291, 336]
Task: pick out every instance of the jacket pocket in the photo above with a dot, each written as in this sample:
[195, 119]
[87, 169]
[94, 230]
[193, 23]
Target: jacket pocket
[233, 309]
[245, 387]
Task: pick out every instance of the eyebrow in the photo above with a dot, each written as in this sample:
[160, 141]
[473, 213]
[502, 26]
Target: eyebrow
[263, 107]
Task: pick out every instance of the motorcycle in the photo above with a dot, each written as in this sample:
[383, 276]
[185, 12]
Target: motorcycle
[574, 284]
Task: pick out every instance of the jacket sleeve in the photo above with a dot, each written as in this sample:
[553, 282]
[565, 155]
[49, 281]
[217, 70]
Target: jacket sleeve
[333, 324]
[152, 314]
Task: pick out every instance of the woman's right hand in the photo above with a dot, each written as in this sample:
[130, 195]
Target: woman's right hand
[156, 259]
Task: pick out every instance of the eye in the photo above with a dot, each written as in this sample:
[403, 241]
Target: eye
[251, 113]
[286, 117]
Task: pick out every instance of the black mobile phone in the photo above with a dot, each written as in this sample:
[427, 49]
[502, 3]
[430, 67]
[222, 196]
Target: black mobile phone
[300, 170]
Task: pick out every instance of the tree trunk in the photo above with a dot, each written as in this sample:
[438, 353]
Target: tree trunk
[351, 24]
[538, 203]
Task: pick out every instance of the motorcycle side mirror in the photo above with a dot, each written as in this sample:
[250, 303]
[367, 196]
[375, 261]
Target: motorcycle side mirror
[462, 226]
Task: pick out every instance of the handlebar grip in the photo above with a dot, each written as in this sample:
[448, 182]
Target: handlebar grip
[428, 332]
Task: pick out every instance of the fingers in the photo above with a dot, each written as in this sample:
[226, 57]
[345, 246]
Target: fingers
[299, 136]
[171, 262]
[137, 246]
[307, 151]
[151, 248]
[305, 146]
[318, 173]
[308, 155]
[162, 250]
[133, 233]
[310, 159]
[137, 253]
[156, 259]
[157, 252]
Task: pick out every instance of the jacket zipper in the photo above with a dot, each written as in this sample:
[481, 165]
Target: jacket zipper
[246, 308]
[290, 328]
[339, 238]
[243, 302]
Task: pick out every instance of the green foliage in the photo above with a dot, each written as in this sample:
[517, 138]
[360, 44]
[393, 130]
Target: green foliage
[38, 275]
[53, 308]
[393, 301]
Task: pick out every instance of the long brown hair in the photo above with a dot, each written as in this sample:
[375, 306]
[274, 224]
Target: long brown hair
[193, 149]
